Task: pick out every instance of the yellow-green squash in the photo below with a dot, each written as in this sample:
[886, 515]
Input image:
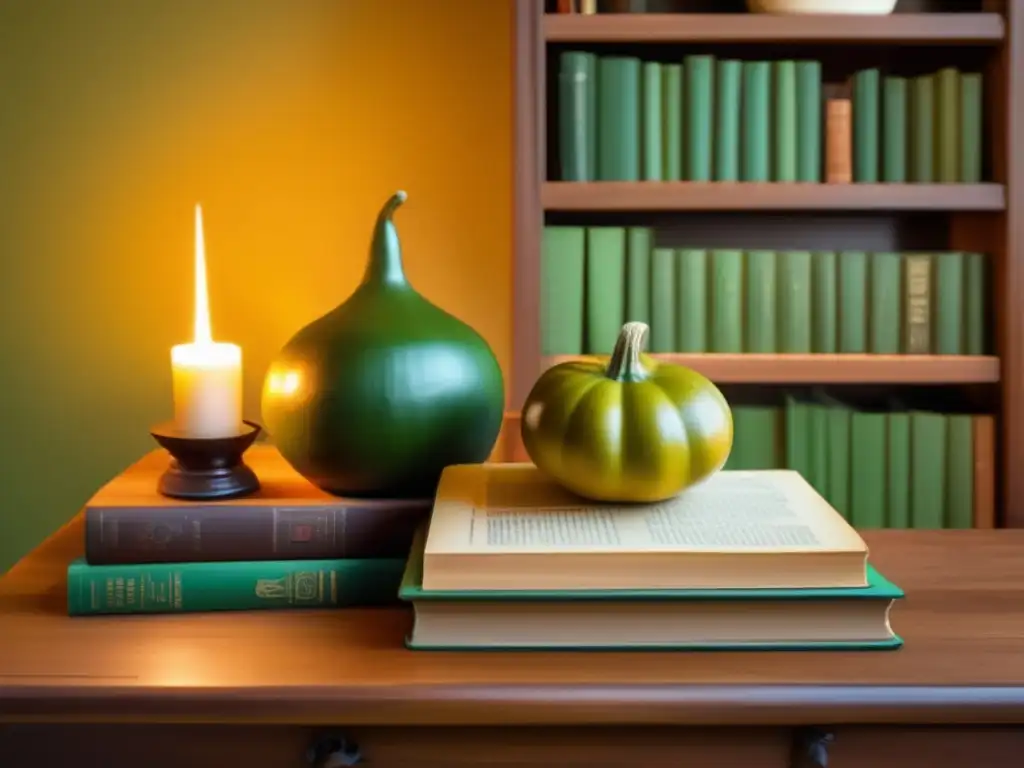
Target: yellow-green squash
[626, 428]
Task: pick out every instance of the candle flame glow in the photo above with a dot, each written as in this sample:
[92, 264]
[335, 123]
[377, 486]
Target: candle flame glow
[201, 321]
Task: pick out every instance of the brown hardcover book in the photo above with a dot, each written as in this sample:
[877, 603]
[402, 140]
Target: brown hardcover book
[128, 521]
[839, 141]
[984, 471]
[566, 6]
[917, 301]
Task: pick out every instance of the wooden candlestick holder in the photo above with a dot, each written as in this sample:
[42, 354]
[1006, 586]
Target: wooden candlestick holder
[207, 468]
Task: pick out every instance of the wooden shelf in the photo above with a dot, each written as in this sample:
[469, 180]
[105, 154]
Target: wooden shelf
[904, 29]
[833, 369]
[731, 196]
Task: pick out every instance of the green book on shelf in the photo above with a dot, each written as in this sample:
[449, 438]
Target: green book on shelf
[886, 300]
[927, 469]
[726, 301]
[652, 122]
[808, 120]
[922, 129]
[784, 122]
[761, 306]
[853, 320]
[798, 447]
[672, 122]
[727, 120]
[577, 116]
[917, 304]
[838, 496]
[688, 619]
[756, 127]
[231, 586]
[868, 469]
[663, 305]
[897, 454]
[757, 438]
[561, 290]
[638, 274]
[605, 294]
[699, 72]
[948, 304]
[866, 125]
[894, 130]
[971, 115]
[825, 302]
[817, 429]
[947, 125]
[692, 300]
[975, 291]
[794, 283]
[618, 122]
[960, 471]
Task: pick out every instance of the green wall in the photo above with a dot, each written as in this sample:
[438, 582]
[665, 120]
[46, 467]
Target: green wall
[291, 122]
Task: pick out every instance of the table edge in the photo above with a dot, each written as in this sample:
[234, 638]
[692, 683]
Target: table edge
[484, 704]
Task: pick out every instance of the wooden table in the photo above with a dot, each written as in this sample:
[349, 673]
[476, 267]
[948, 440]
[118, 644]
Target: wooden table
[256, 689]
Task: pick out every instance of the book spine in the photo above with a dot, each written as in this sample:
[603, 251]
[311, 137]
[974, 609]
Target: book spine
[196, 532]
[825, 303]
[605, 300]
[795, 324]
[960, 471]
[927, 470]
[808, 119]
[948, 308]
[839, 459]
[971, 111]
[798, 432]
[922, 121]
[236, 586]
[727, 301]
[917, 301]
[853, 321]
[868, 465]
[561, 290]
[663, 283]
[784, 121]
[947, 126]
[839, 141]
[760, 290]
[672, 121]
[573, 116]
[984, 437]
[898, 482]
[974, 304]
[818, 430]
[756, 120]
[884, 318]
[699, 73]
[652, 122]
[894, 130]
[618, 133]
[757, 437]
[727, 120]
[865, 126]
[638, 274]
[692, 296]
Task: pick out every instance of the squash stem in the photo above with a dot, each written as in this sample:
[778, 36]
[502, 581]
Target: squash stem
[385, 264]
[625, 363]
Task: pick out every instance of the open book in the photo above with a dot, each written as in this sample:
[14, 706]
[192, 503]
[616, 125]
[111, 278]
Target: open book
[507, 527]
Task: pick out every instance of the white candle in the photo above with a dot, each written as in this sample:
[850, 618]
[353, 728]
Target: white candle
[207, 375]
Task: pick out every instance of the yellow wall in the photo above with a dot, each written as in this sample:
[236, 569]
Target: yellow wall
[291, 122]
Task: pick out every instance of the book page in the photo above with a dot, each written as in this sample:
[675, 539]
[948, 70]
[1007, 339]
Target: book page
[519, 511]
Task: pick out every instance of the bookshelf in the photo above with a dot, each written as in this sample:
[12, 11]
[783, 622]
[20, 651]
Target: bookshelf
[983, 217]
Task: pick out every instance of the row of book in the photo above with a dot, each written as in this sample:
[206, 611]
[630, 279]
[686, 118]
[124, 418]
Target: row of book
[621, 118]
[880, 467]
[593, 279]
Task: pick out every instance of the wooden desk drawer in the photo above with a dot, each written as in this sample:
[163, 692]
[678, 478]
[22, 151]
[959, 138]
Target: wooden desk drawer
[926, 747]
[131, 746]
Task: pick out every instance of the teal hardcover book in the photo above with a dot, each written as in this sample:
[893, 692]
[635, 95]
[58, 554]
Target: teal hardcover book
[849, 618]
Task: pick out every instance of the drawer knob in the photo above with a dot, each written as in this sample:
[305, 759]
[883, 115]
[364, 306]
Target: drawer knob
[810, 748]
[333, 750]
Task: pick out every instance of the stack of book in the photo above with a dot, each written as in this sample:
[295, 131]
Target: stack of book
[289, 546]
[751, 560]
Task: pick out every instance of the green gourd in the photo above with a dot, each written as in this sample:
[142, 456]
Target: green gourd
[378, 396]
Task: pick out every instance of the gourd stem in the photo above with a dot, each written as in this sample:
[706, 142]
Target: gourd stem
[625, 363]
[385, 264]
